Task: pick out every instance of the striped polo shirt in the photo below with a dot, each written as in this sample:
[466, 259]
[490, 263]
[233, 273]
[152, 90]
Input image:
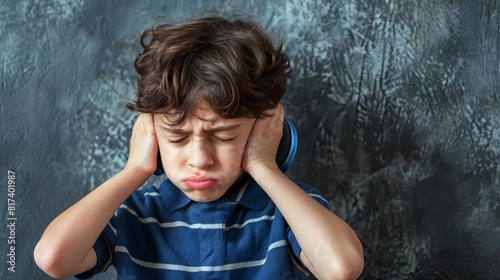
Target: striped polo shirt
[159, 233]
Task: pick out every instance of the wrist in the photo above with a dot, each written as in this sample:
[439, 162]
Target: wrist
[263, 170]
[136, 171]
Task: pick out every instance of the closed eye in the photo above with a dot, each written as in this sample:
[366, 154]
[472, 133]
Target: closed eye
[223, 139]
[177, 140]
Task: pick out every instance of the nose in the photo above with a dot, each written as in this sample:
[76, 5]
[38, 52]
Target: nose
[201, 155]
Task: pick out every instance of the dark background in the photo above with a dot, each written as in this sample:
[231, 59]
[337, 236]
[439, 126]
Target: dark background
[396, 104]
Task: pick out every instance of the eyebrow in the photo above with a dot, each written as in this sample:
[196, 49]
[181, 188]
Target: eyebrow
[220, 128]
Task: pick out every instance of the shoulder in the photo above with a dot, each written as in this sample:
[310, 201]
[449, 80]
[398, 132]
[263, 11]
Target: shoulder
[308, 188]
[143, 199]
[144, 194]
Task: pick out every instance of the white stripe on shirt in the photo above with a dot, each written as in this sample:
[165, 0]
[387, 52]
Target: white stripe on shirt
[112, 227]
[319, 196]
[197, 225]
[152, 194]
[249, 221]
[231, 266]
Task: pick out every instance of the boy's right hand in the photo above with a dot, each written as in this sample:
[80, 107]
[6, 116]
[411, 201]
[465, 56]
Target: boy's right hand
[143, 145]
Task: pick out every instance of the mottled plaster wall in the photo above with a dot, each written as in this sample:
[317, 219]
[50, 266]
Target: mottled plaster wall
[396, 104]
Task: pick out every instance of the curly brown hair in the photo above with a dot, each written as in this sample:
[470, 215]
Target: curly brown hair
[232, 65]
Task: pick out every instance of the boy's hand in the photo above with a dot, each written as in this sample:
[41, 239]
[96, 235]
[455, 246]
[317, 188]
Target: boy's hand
[143, 145]
[262, 144]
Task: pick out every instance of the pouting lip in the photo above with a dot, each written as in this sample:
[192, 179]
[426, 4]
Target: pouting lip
[200, 179]
[200, 182]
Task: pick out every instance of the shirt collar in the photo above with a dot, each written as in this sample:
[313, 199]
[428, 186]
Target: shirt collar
[172, 196]
[253, 196]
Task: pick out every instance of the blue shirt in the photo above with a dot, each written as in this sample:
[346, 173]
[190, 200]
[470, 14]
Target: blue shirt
[162, 234]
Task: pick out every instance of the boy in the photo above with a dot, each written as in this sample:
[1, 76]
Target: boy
[208, 96]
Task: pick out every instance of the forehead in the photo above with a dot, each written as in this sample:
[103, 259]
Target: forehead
[203, 111]
[200, 111]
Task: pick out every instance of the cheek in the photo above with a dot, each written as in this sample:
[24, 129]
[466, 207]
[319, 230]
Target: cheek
[231, 158]
[236, 153]
[171, 159]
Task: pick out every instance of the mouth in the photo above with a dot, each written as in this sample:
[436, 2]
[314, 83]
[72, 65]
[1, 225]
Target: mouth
[200, 182]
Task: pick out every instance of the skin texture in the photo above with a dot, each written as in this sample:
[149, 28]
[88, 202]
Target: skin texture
[204, 147]
[194, 151]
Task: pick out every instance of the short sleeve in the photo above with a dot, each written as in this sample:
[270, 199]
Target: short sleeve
[103, 248]
[292, 241]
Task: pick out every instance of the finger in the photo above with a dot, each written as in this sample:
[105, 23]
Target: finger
[276, 121]
[280, 114]
[147, 122]
[281, 109]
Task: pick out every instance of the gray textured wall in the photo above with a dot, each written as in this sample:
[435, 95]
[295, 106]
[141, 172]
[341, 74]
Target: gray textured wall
[396, 104]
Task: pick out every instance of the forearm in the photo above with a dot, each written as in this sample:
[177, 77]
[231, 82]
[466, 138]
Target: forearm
[330, 247]
[68, 239]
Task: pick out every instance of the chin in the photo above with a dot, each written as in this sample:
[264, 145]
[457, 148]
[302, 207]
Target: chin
[200, 196]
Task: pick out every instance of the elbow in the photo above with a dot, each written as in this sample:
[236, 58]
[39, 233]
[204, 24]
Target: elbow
[351, 265]
[337, 271]
[349, 271]
[345, 267]
[49, 260]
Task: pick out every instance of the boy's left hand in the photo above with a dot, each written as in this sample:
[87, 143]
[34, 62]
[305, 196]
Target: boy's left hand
[262, 144]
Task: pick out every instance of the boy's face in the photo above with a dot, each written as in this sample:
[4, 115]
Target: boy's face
[202, 155]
